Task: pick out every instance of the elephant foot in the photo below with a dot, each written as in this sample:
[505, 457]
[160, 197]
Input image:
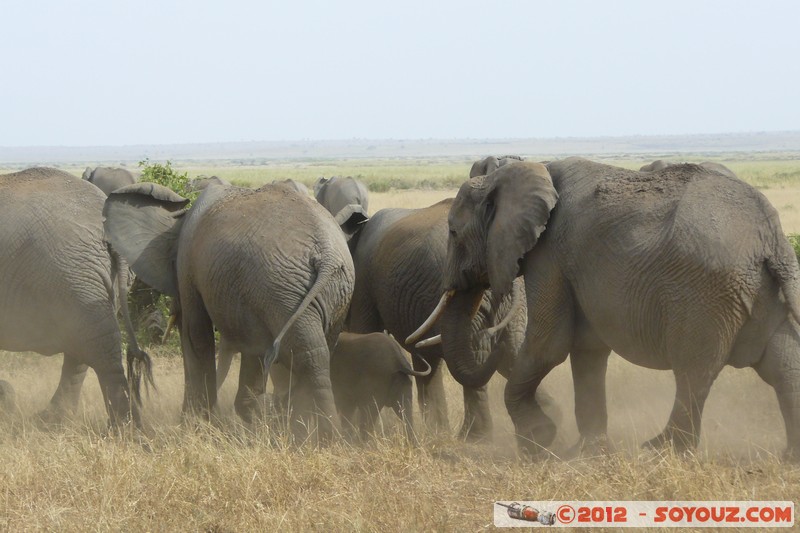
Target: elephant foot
[792, 454]
[54, 416]
[475, 433]
[590, 446]
[537, 441]
[679, 441]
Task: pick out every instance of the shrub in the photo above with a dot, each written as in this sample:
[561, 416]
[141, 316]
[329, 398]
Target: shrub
[794, 239]
[168, 177]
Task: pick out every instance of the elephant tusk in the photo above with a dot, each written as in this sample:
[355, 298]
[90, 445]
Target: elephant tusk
[516, 302]
[433, 341]
[170, 324]
[431, 320]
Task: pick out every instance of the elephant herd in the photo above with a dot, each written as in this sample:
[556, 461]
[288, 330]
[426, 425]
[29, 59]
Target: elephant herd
[676, 266]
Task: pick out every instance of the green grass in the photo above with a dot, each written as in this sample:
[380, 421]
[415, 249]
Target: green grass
[379, 175]
[771, 170]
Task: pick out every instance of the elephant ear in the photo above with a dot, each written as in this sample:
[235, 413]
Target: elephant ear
[320, 183]
[142, 223]
[518, 204]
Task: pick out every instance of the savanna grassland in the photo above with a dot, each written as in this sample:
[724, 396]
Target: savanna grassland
[177, 476]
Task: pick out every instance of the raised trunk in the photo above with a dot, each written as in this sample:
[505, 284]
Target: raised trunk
[460, 352]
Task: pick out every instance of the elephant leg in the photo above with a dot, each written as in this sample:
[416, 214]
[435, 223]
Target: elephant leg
[368, 417]
[65, 400]
[347, 414]
[404, 408]
[197, 343]
[549, 337]
[683, 428]
[535, 430]
[281, 385]
[224, 359]
[311, 395]
[106, 361]
[780, 367]
[589, 379]
[477, 417]
[252, 385]
[431, 395]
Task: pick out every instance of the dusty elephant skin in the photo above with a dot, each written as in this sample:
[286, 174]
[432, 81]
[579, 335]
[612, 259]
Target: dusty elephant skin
[269, 268]
[370, 372]
[683, 269]
[61, 282]
[660, 164]
[398, 256]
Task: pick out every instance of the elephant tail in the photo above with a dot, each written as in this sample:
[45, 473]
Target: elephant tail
[782, 265]
[139, 362]
[324, 275]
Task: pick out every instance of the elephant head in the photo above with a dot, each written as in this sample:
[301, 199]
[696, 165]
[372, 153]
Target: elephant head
[494, 221]
[490, 164]
[347, 199]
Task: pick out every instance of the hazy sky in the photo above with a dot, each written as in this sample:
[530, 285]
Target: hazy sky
[149, 72]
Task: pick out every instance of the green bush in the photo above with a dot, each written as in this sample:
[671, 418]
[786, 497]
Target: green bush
[149, 308]
[168, 177]
[794, 239]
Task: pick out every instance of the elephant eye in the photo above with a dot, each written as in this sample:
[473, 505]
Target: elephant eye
[453, 233]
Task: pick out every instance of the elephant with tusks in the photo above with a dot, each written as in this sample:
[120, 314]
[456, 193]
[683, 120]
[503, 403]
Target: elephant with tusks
[682, 268]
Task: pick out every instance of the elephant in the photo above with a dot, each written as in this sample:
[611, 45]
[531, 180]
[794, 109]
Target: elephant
[269, 268]
[683, 269]
[62, 283]
[660, 164]
[108, 179]
[370, 372]
[294, 184]
[489, 164]
[201, 182]
[347, 199]
[398, 256]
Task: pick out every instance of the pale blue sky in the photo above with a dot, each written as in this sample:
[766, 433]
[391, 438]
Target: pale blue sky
[150, 72]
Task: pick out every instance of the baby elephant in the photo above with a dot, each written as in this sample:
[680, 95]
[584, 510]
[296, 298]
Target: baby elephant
[370, 372]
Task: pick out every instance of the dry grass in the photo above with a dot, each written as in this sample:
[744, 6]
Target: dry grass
[199, 477]
[226, 478]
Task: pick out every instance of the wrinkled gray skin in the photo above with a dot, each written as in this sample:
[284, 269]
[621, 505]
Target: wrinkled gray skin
[399, 255]
[200, 183]
[268, 267]
[61, 287]
[109, 179]
[347, 199]
[489, 164]
[660, 164]
[681, 269]
[296, 185]
[370, 372]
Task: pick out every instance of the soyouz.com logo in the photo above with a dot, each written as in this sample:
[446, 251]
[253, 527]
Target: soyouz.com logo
[758, 514]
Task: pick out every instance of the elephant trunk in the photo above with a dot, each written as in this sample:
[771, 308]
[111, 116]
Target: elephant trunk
[460, 344]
